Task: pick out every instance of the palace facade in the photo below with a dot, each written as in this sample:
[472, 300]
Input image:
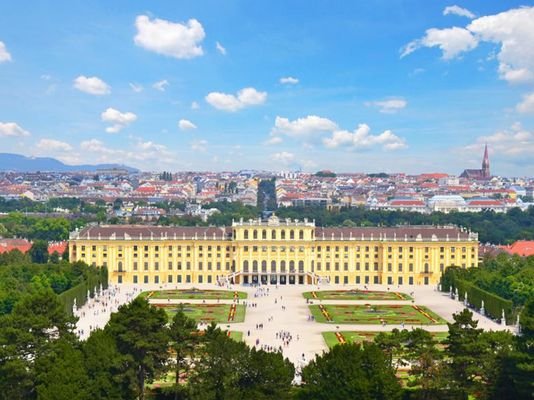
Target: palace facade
[275, 252]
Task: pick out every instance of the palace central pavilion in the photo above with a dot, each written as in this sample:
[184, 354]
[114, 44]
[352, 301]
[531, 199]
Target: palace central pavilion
[275, 252]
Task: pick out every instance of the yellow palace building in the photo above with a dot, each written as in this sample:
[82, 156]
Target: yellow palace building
[284, 252]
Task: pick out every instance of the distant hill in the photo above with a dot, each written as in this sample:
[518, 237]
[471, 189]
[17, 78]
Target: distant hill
[18, 162]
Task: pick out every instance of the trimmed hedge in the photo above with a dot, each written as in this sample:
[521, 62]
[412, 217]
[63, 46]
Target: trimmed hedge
[493, 304]
[90, 285]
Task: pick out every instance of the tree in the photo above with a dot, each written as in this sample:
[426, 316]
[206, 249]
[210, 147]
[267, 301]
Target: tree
[141, 334]
[217, 370]
[39, 252]
[266, 376]
[60, 372]
[350, 371]
[464, 349]
[109, 379]
[36, 320]
[183, 335]
[425, 361]
[392, 346]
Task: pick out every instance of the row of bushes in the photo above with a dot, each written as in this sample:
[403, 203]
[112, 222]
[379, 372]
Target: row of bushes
[493, 304]
[91, 284]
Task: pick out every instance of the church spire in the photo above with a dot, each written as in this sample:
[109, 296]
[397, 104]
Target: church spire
[486, 164]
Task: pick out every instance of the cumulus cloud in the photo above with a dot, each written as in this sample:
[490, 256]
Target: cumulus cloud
[92, 85]
[452, 42]
[194, 105]
[136, 87]
[460, 11]
[289, 80]
[511, 143]
[118, 119]
[12, 129]
[512, 30]
[220, 48]
[229, 102]
[302, 127]
[178, 40]
[362, 138]
[53, 145]
[527, 105]
[388, 106]
[283, 157]
[4, 54]
[199, 145]
[185, 125]
[273, 140]
[161, 85]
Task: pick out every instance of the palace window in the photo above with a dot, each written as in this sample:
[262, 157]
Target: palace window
[264, 234]
[245, 233]
[291, 234]
[301, 234]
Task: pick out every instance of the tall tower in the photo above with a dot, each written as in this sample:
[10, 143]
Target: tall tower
[486, 164]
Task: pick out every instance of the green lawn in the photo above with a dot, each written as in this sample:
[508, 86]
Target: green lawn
[355, 295]
[217, 313]
[193, 294]
[375, 314]
[236, 335]
[360, 336]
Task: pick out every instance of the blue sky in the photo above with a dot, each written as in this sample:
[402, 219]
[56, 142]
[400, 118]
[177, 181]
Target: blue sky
[396, 86]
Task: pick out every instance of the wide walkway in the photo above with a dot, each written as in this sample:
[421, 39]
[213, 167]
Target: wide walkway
[278, 316]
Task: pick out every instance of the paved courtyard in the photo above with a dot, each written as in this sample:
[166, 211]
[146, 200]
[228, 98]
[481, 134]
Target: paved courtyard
[283, 313]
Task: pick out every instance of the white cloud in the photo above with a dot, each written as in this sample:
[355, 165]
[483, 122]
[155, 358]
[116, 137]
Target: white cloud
[194, 105]
[170, 38]
[4, 54]
[302, 127]
[220, 48]
[289, 80]
[12, 129]
[161, 85]
[457, 10]
[53, 145]
[273, 140]
[92, 85]
[512, 143]
[229, 102]
[388, 106]
[136, 87]
[283, 157]
[451, 41]
[513, 30]
[118, 119]
[527, 105]
[185, 124]
[199, 145]
[46, 77]
[361, 138]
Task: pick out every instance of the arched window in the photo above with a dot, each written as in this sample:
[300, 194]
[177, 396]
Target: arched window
[292, 266]
[255, 234]
[245, 234]
[282, 266]
[301, 266]
[426, 267]
[120, 266]
[254, 266]
[264, 234]
[291, 234]
[273, 266]
[245, 266]
[264, 266]
[283, 234]
[273, 234]
[301, 234]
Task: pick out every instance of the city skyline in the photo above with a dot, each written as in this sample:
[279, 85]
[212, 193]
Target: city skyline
[381, 86]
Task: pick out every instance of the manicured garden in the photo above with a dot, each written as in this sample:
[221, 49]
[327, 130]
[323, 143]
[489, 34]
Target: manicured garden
[194, 294]
[331, 338]
[395, 314]
[208, 313]
[355, 294]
